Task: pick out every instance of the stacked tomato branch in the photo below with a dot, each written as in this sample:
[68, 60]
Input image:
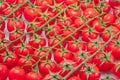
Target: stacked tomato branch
[59, 39]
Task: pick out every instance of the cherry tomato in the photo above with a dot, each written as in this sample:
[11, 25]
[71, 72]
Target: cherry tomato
[3, 71]
[16, 73]
[33, 76]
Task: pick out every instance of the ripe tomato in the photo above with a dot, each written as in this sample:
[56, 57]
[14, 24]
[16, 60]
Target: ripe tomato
[9, 58]
[44, 67]
[107, 7]
[73, 47]
[52, 42]
[116, 69]
[114, 48]
[53, 30]
[88, 34]
[26, 63]
[66, 30]
[16, 35]
[78, 22]
[52, 77]
[84, 6]
[40, 52]
[69, 2]
[90, 12]
[89, 71]
[44, 3]
[74, 78]
[59, 1]
[34, 26]
[5, 43]
[23, 50]
[110, 31]
[2, 35]
[36, 41]
[31, 13]
[116, 12]
[114, 3]
[3, 6]
[65, 68]
[15, 24]
[64, 20]
[16, 73]
[10, 1]
[33, 76]
[104, 61]
[94, 46]
[8, 10]
[109, 18]
[60, 55]
[3, 71]
[97, 25]
[73, 13]
[2, 25]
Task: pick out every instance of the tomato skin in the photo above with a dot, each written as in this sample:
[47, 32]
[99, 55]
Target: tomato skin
[65, 22]
[84, 6]
[74, 78]
[13, 36]
[2, 35]
[78, 22]
[2, 25]
[69, 2]
[43, 67]
[3, 44]
[26, 63]
[59, 1]
[37, 54]
[59, 56]
[19, 25]
[88, 35]
[90, 13]
[109, 18]
[33, 76]
[64, 72]
[114, 3]
[107, 7]
[66, 32]
[11, 60]
[96, 23]
[36, 43]
[44, 3]
[3, 71]
[16, 73]
[10, 1]
[114, 48]
[30, 14]
[107, 65]
[31, 27]
[23, 52]
[17, 13]
[116, 71]
[3, 6]
[73, 47]
[106, 36]
[73, 13]
[54, 30]
[92, 75]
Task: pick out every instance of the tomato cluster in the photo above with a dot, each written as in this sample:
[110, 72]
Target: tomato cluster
[59, 39]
